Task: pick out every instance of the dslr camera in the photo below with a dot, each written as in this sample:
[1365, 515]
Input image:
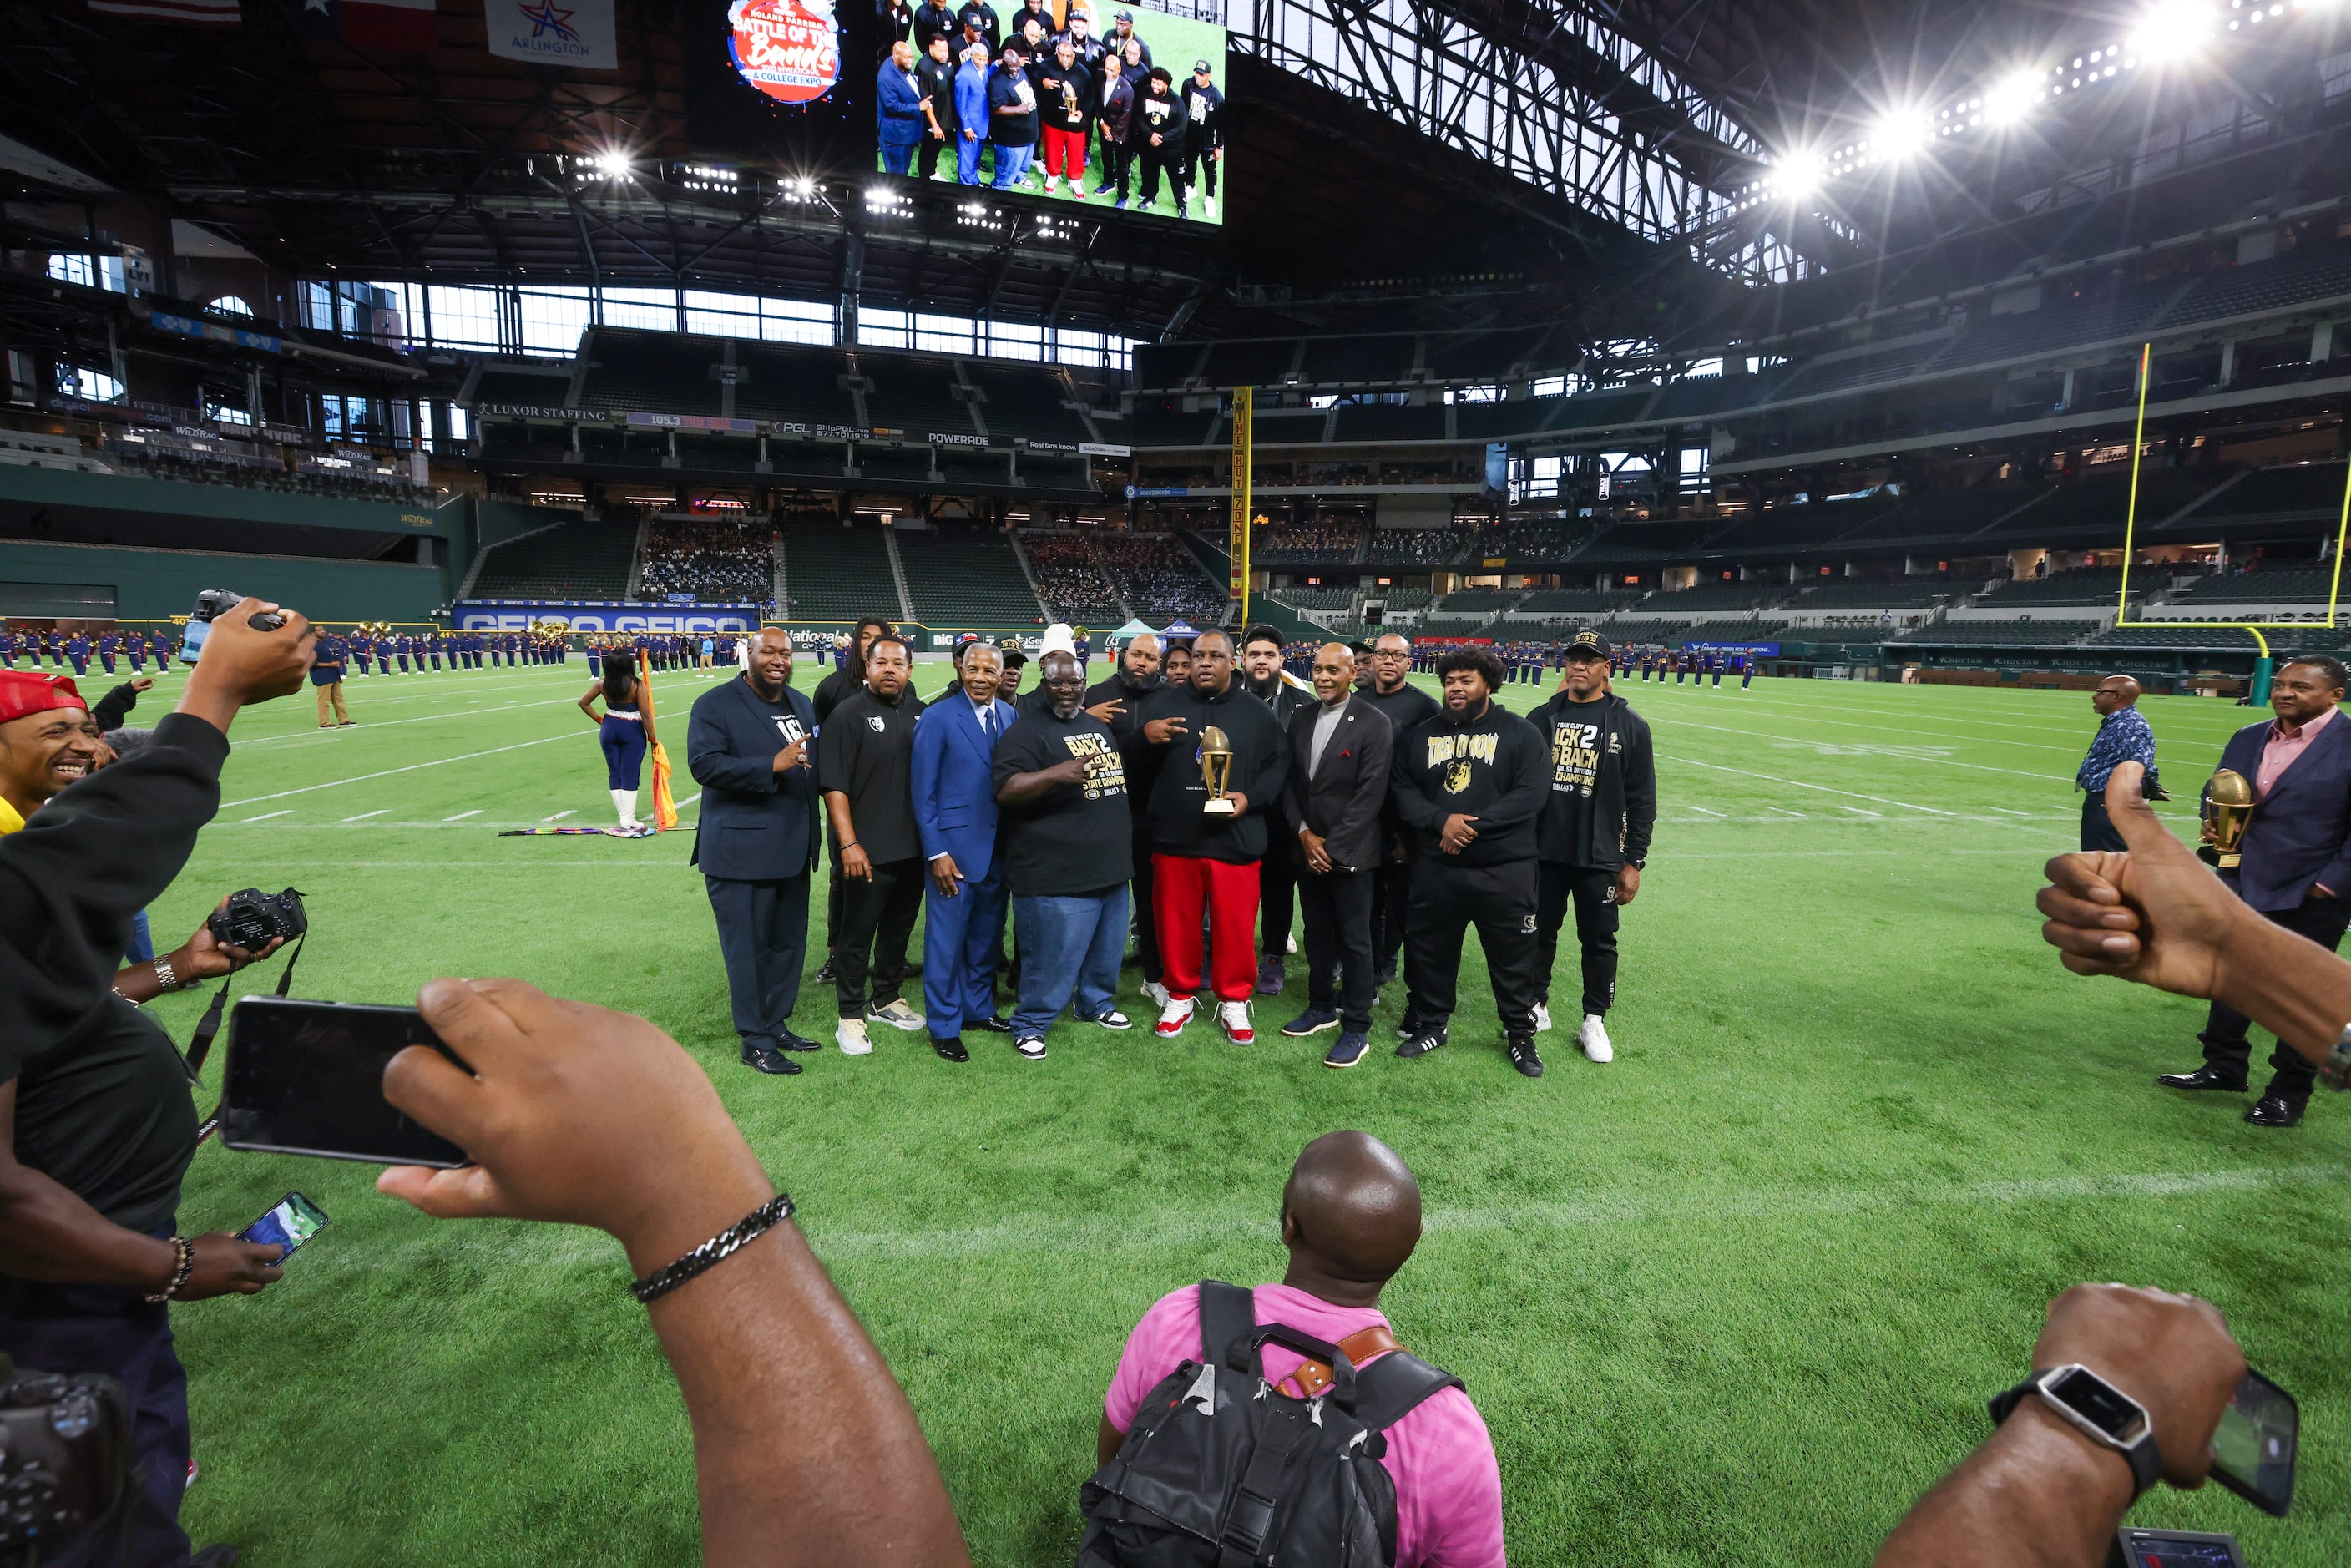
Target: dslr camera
[65, 1456]
[211, 605]
[251, 917]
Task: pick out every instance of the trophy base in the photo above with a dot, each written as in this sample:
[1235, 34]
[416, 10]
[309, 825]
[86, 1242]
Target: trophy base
[1219, 806]
[2230, 860]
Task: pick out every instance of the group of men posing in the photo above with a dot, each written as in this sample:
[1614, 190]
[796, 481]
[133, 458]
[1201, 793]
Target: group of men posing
[1047, 94]
[1198, 796]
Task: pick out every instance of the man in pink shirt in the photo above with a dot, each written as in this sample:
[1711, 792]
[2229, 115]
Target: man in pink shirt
[2294, 863]
[1351, 1218]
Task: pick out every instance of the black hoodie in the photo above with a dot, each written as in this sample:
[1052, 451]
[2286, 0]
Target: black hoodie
[1492, 767]
[1601, 801]
[1260, 767]
[1142, 758]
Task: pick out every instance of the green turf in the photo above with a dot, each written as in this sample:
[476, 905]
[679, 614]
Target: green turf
[1738, 1297]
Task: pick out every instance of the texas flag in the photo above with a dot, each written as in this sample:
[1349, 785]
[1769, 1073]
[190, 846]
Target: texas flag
[373, 23]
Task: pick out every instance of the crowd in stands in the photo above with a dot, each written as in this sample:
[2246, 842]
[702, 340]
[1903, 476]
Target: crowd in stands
[255, 471]
[714, 559]
[1282, 542]
[1414, 546]
[1161, 580]
[1068, 580]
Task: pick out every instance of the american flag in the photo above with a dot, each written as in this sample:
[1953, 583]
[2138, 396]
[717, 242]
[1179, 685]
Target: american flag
[200, 12]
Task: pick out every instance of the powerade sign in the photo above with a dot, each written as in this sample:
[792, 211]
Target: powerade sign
[1757, 649]
[628, 620]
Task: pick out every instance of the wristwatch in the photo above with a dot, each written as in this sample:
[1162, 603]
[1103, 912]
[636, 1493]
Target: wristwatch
[2099, 1410]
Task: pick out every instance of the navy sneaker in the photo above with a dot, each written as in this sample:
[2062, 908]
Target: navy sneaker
[1313, 1020]
[1348, 1049]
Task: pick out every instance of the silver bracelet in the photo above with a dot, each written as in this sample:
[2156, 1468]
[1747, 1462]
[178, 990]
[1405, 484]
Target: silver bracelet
[724, 1245]
[163, 975]
[2336, 1074]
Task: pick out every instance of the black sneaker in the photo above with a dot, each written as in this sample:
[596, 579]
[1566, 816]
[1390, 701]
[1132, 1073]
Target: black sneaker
[1423, 1041]
[763, 1058]
[951, 1050]
[989, 1025]
[1383, 975]
[1523, 1055]
[824, 971]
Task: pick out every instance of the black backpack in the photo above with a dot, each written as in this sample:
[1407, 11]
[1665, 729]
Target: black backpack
[1222, 1470]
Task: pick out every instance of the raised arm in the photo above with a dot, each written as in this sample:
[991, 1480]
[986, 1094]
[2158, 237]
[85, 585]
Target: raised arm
[807, 1454]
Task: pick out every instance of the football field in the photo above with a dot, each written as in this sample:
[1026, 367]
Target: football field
[1736, 1298]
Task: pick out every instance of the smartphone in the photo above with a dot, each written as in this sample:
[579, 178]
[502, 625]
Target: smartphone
[2174, 1548]
[295, 1221]
[307, 1078]
[2253, 1449]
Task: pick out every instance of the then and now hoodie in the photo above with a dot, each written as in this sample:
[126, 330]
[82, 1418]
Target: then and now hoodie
[1491, 765]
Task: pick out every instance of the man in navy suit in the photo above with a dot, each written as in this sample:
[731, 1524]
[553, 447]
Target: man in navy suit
[747, 747]
[2296, 866]
[954, 814]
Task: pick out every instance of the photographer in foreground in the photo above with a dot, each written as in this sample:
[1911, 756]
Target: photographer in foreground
[806, 1450]
[97, 1127]
[2042, 1493]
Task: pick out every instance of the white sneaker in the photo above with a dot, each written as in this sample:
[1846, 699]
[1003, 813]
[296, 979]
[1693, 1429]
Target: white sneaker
[852, 1039]
[897, 1014]
[1542, 1019]
[1208, 205]
[1155, 993]
[1052, 184]
[1173, 1017]
[1234, 1018]
[1594, 1038]
[1293, 946]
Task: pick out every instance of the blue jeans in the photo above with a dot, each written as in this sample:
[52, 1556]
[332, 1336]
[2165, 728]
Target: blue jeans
[1011, 164]
[141, 945]
[1069, 949]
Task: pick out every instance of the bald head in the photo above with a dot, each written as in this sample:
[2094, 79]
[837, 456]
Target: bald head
[2114, 691]
[1349, 1216]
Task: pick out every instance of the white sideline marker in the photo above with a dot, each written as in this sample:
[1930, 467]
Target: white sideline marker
[463, 815]
[364, 816]
[558, 817]
[266, 815]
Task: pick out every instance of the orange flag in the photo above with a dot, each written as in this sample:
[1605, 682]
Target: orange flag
[664, 804]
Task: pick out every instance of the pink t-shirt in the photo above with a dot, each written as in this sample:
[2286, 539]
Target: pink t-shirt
[1448, 1487]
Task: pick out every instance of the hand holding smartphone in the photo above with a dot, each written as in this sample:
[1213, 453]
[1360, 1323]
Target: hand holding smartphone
[307, 1078]
[293, 1221]
[2254, 1446]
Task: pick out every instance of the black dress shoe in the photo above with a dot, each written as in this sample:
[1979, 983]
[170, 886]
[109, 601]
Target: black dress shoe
[951, 1050]
[787, 1041]
[824, 971]
[2205, 1077]
[2274, 1110]
[989, 1025]
[767, 1058]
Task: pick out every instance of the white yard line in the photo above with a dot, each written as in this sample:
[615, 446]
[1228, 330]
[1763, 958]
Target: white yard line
[437, 762]
[364, 816]
[332, 736]
[266, 815]
[1800, 784]
[558, 816]
[463, 815]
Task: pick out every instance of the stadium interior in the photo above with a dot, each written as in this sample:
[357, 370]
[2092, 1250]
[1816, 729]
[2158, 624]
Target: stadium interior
[1984, 344]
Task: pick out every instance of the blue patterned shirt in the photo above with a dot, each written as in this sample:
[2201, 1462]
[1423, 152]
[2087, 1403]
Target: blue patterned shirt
[2123, 736]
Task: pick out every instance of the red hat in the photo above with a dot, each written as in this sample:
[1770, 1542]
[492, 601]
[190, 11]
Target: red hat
[23, 691]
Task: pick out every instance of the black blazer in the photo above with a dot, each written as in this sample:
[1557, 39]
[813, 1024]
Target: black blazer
[2297, 835]
[1343, 799]
[756, 825]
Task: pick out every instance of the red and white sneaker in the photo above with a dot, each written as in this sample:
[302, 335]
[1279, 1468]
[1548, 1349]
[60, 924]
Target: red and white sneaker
[1172, 1018]
[1234, 1017]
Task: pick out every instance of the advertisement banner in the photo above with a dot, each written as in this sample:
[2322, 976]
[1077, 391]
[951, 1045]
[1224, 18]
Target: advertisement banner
[628, 620]
[577, 33]
[1244, 429]
[1759, 650]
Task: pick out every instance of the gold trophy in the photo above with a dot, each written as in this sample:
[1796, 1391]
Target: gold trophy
[2227, 807]
[1217, 772]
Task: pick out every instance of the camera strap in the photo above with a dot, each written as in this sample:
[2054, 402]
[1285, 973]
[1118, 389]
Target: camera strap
[200, 1044]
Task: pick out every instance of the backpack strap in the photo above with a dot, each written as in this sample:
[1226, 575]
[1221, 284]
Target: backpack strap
[1228, 1317]
[1393, 1386]
[1248, 1517]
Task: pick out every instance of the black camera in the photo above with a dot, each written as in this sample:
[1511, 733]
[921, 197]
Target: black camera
[64, 1455]
[214, 603]
[251, 917]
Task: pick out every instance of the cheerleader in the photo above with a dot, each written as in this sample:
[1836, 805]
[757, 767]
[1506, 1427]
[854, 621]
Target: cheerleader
[623, 732]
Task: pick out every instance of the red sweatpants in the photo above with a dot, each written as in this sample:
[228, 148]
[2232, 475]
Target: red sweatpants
[1065, 153]
[1181, 888]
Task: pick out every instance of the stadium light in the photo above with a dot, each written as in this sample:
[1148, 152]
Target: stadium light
[1901, 133]
[2172, 30]
[2008, 100]
[612, 164]
[1797, 174]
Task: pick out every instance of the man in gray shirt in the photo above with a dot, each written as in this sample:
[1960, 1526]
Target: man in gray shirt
[1340, 747]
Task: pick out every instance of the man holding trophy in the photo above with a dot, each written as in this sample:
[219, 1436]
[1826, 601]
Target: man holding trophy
[2276, 818]
[1225, 762]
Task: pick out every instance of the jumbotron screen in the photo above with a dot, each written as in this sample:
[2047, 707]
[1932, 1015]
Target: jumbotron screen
[1107, 104]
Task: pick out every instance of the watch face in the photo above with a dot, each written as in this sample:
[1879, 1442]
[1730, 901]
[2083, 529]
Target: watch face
[2090, 1396]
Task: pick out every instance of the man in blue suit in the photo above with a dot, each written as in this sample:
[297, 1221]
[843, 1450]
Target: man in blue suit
[747, 747]
[899, 98]
[2296, 865]
[955, 811]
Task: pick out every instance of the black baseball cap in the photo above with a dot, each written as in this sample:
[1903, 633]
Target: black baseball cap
[1591, 644]
[1123, 17]
[1200, 67]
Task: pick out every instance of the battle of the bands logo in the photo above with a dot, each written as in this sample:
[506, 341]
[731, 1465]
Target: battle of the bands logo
[789, 49]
